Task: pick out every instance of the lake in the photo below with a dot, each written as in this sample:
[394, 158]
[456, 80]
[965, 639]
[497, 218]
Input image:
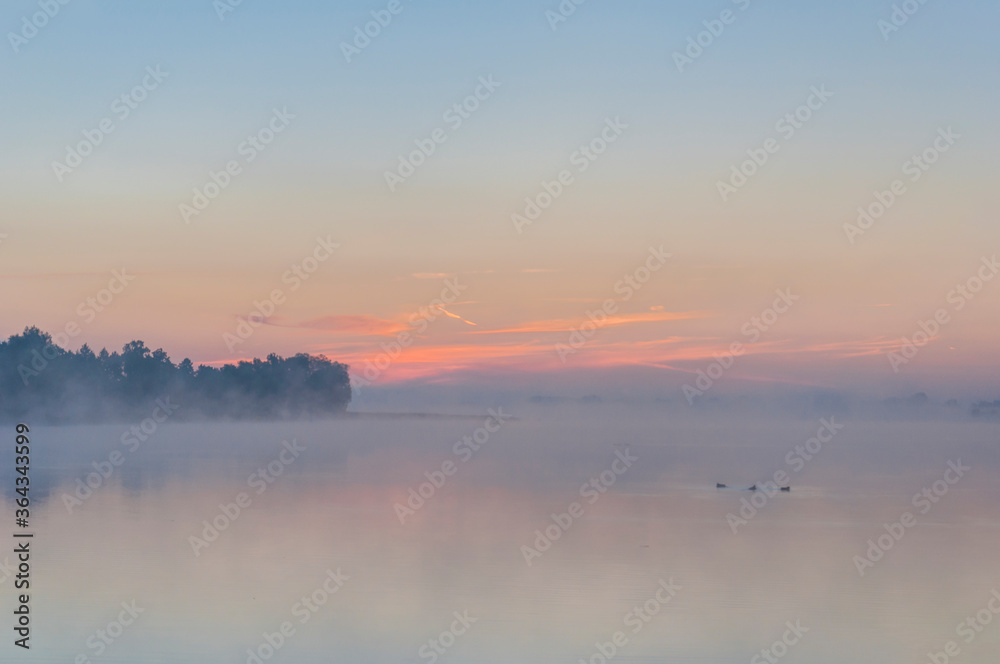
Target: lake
[594, 534]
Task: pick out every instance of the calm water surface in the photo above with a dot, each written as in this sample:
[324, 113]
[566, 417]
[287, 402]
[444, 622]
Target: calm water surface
[333, 509]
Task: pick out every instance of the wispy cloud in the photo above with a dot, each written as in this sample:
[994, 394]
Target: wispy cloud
[566, 324]
[356, 325]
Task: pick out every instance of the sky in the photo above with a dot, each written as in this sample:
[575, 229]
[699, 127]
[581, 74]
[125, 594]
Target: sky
[668, 121]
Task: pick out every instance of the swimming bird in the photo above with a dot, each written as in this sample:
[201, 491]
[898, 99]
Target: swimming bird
[720, 485]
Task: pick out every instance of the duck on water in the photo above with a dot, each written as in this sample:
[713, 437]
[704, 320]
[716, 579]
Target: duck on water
[720, 485]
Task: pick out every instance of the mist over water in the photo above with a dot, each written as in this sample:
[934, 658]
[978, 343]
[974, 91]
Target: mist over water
[334, 497]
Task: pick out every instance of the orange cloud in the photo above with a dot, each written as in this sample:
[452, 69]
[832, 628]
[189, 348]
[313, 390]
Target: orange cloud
[672, 353]
[354, 325]
[567, 324]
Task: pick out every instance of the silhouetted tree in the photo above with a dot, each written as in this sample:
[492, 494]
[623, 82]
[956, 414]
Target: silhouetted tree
[47, 383]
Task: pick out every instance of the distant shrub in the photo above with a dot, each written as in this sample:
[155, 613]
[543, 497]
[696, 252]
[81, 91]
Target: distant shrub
[986, 409]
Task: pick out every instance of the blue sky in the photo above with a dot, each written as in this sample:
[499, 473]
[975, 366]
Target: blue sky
[607, 58]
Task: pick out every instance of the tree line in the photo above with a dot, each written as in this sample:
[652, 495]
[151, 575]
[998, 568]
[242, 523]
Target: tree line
[42, 382]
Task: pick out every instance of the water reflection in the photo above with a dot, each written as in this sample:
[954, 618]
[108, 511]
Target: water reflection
[331, 511]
